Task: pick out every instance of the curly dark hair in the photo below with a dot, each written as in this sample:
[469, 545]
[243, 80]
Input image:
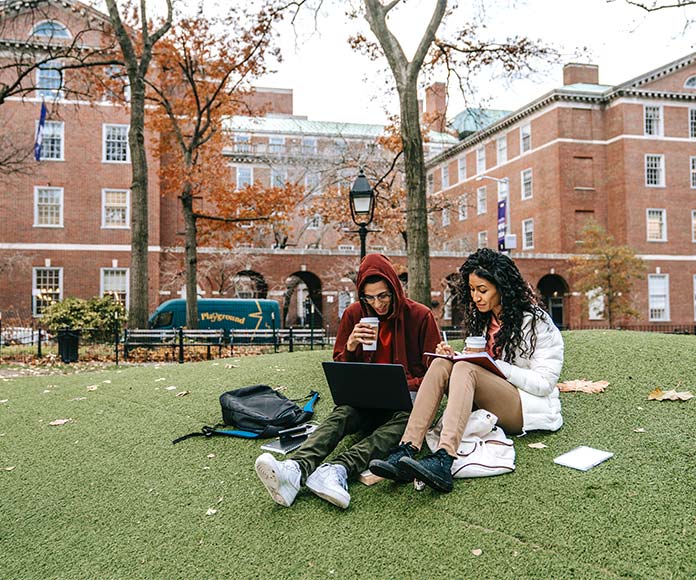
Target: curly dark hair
[516, 298]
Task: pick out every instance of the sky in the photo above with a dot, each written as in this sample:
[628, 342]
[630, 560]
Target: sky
[331, 82]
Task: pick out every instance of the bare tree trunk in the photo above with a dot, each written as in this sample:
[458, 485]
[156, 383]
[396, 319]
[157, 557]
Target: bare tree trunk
[191, 257]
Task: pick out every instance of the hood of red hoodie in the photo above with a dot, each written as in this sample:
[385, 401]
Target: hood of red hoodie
[380, 265]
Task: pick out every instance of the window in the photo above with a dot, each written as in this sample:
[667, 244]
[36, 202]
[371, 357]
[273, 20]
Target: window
[49, 80]
[445, 177]
[309, 145]
[481, 200]
[244, 176]
[658, 297]
[46, 288]
[657, 225]
[482, 239]
[312, 182]
[693, 172]
[595, 304]
[117, 84]
[527, 188]
[461, 168]
[340, 147]
[501, 144]
[528, 234]
[116, 148]
[652, 117]
[655, 170]
[693, 225]
[114, 282]
[525, 138]
[346, 247]
[690, 83]
[445, 217]
[242, 143]
[278, 177]
[503, 189]
[480, 160]
[313, 222]
[276, 144]
[430, 183]
[52, 143]
[51, 29]
[48, 207]
[692, 123]
[463, 207]
[115, 208]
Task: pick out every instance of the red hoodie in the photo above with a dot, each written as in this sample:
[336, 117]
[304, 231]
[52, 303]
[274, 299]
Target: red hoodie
[414, 330]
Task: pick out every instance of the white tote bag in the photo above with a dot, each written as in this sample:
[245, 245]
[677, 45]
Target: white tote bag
[484, 449]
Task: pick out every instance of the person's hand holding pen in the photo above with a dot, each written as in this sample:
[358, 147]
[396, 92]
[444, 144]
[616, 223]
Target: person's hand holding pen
[443, 347]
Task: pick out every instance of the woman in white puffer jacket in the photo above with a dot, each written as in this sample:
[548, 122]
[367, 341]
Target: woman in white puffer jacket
[528, 349]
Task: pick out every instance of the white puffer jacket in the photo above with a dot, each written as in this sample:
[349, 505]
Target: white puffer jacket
[535, 377]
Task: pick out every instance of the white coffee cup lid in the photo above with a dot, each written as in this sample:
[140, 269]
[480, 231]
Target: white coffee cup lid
[475, 341]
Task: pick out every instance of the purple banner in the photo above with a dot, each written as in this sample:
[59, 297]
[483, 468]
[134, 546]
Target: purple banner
[502, 224]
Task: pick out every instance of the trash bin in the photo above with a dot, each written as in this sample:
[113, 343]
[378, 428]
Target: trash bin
[68, 344]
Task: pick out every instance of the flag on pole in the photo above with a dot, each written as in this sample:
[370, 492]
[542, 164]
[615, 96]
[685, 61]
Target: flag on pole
[39, 132]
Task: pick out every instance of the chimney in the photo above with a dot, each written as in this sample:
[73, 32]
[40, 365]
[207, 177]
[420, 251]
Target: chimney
[574, 72]
[435, 111]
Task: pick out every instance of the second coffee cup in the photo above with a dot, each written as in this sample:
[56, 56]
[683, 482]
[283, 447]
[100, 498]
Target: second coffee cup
[373, 321]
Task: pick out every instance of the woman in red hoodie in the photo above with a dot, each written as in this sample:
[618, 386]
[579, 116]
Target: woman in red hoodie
[407, 329]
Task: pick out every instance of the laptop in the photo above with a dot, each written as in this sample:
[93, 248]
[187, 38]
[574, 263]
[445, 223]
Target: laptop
[368, 385]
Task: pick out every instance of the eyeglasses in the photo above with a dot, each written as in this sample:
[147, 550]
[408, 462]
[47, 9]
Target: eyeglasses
[383, 297]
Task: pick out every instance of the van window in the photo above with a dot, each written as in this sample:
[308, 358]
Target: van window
[163, 319]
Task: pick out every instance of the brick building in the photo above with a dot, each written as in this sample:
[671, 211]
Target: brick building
[623, 155]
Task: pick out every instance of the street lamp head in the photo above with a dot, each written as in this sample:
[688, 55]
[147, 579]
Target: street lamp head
[362, 200]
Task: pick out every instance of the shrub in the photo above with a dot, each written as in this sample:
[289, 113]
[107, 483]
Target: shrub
[78, 313]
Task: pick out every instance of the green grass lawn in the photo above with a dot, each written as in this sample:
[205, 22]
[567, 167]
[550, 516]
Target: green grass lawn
[108, 496]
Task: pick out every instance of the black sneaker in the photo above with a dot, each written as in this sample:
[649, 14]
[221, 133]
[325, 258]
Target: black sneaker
[434, 470]
[390, 468]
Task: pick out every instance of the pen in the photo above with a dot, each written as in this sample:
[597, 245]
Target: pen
[444, 337]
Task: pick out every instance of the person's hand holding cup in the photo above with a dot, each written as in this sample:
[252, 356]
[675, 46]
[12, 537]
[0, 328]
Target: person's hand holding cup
[474, 344]
[365, 333]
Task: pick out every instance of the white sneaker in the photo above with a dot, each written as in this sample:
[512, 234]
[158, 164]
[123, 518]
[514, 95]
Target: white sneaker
[330, 482]
[280, 478]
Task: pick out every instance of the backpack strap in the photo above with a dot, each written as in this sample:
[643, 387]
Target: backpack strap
[207, 431]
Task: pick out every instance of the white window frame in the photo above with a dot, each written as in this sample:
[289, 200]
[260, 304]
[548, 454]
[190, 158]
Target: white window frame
[690, 83]
[501, 148]
[525, 138]
[346, 248]
[480, 160]
[461, 169]
[528, 232]
[312, 182]
[463, 207]
[692, 121]
[503, 189]
[692, 161]
[105, 224]
[659, 169]
[102, 290]
[242, 143]
[313, 222]
[309, 145]
[482, 239]
[652, 295]
[105, 131]
[653, 120]
[662, 224]
[61, 206]
[279, 177]
[445, 217]
[523, 182]
[51, 134]
[58, 26]
[481, 201]
[430, 183]
[444, 173]
[243, 183]
[693, 225]
[46, 85]
[276, 144]
[35, 292]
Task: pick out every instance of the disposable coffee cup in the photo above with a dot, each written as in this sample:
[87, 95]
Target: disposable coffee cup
[475, 343]
[373, 321]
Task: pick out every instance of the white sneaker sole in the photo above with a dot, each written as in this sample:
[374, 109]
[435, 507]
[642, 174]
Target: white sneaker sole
[265, 470]
[342, 501]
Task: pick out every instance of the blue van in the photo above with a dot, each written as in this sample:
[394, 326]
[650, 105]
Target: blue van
[225, 313]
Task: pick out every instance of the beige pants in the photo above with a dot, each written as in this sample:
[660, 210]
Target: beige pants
[466, 385]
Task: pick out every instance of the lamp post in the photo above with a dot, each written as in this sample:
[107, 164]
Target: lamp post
[362, 207]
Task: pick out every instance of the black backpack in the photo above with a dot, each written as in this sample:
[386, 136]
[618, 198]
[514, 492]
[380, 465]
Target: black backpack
[258, 412]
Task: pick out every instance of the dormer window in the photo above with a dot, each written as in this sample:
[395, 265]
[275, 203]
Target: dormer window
[50, 29]
[690, 83]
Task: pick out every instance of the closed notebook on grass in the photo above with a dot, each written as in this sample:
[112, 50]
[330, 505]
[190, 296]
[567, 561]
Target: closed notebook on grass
[583, 458]
[368, 385]
[482, 359]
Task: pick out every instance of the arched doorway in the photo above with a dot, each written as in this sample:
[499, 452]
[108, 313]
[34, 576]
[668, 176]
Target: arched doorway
[302, 302]
[249, 284]
[553, 288]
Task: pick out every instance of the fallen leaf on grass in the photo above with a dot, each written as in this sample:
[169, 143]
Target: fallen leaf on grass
[537, 446]
[2, 401]
[231, 366]
[583, 386]
[477, 551]
[210, 455]
[671, 395]
[106, 382]
[79, 399]
[183, 393]
[9, 468]
[92, 388]
[211, 512]
[59, 422]
[639, 430]
[160, 379]
[170, 388]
